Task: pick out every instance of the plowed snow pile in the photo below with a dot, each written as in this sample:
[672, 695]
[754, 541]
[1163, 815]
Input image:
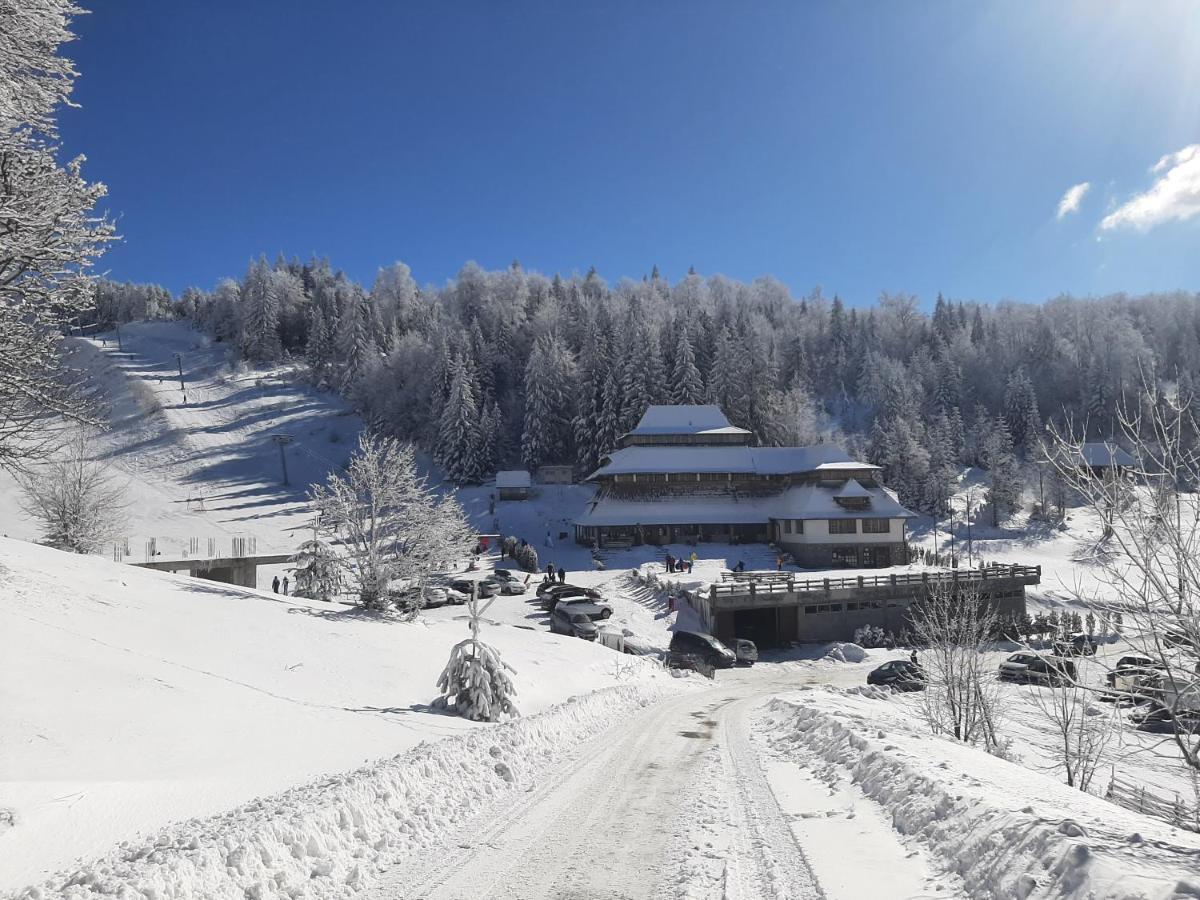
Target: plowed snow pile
[132, 699]
[1008, 832]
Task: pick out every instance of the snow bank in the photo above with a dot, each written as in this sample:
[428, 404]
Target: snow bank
[329, 839]
[999, 826]
[847, 653]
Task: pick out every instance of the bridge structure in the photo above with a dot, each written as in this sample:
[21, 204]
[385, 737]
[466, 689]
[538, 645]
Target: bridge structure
[239, 570]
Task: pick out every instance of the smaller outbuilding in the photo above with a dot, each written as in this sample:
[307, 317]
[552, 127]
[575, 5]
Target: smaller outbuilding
[513, 484]
[1100, 458]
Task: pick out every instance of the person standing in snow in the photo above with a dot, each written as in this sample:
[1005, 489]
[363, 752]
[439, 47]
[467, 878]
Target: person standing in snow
[285, 584]
[670, 563]
[562, 575]
[779, 564]
[275, 584]
[550, 570]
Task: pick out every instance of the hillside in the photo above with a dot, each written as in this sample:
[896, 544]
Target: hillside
[130, 699]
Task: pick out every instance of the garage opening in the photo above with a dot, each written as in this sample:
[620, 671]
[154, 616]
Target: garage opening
[758, 625]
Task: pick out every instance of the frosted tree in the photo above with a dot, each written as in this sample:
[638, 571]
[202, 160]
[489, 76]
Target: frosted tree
[1004, 474]
[476, 682]
[320, 351]
[318, 570]
[594, 365]
[49, 235]
[549, 389]
[259, 315]
[78, 501]
[687, 384]
[391, 523]
[353, 340]
[1021, 410]
[460, 438]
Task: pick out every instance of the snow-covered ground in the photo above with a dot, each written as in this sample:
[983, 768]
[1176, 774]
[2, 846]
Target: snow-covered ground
[130, 699]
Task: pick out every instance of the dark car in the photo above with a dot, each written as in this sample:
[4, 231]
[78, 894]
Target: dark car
[549, 587]
[1158, 720]
[1136, 676]
[1076, 645]
[687, 646]
[550, 599]
[899, 674]
[482, 588]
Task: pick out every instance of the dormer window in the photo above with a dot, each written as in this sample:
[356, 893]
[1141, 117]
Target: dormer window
[853, 495]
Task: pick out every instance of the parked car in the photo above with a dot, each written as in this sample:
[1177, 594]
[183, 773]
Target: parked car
[550, 588]
[746, 652]
[1158, 720]
[1036, 668]
[568, 621]
[1181, 639]
[552, 598]
[505, 586]
[592, 608]
[687, 645]
[899, 674]
[482, 588]
[1076, 645]
[1136, 676]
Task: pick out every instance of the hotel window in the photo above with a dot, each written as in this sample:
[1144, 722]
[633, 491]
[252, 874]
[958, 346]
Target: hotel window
[787, 526]
[843, 526]
[876, 526]
[799, 523]
[845, 556]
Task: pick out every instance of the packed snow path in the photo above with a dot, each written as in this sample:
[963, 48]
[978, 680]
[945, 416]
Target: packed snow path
[614, 818]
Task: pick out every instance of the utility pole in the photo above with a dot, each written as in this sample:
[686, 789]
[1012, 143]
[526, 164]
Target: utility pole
[970, 551]
[283, 440]
[179, 360]
[120, 348]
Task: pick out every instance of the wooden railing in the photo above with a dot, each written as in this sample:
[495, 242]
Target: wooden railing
[751, 584]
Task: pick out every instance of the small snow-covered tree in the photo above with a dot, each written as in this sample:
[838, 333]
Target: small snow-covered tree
[318, 571]
[476, 682]
[391, 522]
[77, 500]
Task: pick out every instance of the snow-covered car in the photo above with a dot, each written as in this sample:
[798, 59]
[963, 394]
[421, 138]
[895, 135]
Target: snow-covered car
[746, 652]
[1136, 676]
[1158, 720]
[899, 674]
[1035, 668]
[690, 645]
[578, 624]
[591, 608]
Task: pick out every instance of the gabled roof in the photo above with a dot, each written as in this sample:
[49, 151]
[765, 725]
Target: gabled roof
[686, 419]
[1103, 454]
[513, 478]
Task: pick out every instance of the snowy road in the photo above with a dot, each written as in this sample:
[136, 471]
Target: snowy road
[612, 820]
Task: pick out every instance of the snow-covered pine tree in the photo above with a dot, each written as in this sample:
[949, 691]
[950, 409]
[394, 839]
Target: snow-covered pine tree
[687, 384]
[549, 378]
[460, 447]
[318, 570]
[1021, 410]
[1004, 473]
[354, 340]
[476, 682]
[320, 350]
[594, 365]
[259, 315]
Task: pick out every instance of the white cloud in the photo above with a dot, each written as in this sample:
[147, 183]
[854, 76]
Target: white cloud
[1174, 196]
[1071, 199]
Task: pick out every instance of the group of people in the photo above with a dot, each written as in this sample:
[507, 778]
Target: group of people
[681, 565]
[275, 584]
[550, 572]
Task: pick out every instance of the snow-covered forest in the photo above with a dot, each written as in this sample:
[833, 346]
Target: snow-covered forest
[499, 368]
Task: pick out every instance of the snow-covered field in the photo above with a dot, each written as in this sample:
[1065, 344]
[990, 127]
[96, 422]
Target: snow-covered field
[130, 699]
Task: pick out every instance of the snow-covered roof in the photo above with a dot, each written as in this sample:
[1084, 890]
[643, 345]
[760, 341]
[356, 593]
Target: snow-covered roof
[813, 501]
[808, 501]
[513, 478]
[1099, 454]
[733, 459]
[851, 489]
[686, 419]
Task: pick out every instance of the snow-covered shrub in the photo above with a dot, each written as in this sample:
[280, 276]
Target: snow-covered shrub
[318, 573]
[870, 636]
[849, 653]
[476, 683]
[526, 558]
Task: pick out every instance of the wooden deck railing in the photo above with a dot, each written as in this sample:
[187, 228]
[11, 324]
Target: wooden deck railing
[774, 583]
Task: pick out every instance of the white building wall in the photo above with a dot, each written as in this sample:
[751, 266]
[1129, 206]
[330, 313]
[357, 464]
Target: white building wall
[816, 531]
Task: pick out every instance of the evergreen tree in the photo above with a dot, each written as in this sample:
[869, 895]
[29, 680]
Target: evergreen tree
[460, 442]
[318, 572]
[547, 437]
[1021, 410]
[687, 385]
[1004, 474]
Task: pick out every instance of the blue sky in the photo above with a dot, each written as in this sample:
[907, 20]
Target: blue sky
[861, 147]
